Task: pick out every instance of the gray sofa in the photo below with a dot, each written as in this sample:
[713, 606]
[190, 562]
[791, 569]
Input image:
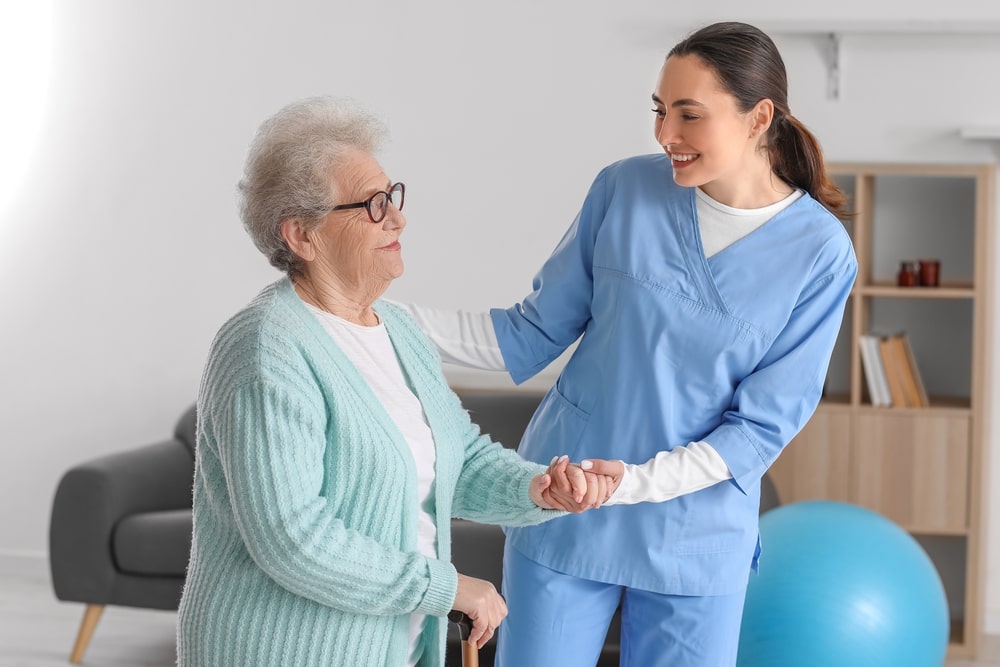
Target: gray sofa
[120, 528]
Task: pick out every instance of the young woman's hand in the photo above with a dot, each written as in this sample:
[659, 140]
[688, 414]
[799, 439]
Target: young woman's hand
[613, 471]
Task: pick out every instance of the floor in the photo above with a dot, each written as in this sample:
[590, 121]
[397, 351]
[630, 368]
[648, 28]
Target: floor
[36, 630]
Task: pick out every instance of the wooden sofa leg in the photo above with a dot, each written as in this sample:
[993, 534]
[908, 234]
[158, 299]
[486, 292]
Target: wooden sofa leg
[91, 615]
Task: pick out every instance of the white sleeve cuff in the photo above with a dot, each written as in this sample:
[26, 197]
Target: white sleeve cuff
[670, 474]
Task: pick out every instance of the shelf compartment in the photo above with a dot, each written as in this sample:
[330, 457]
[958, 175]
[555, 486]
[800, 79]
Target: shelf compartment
[918, 217]
[816, 464]
[941, 335]
[913, 467]
[950, 555]
[837, 386]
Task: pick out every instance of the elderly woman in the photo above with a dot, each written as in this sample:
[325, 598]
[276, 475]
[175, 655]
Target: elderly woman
[331, 452]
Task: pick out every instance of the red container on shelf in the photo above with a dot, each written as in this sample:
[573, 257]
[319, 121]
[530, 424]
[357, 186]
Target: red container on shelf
[929, 272]
[907, 276]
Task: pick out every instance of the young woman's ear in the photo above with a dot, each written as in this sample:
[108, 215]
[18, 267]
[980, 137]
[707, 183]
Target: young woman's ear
[298, 239]
[761, 116]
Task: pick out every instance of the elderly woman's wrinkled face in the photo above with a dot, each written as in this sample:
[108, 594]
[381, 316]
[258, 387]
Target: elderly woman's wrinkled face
[355, 251]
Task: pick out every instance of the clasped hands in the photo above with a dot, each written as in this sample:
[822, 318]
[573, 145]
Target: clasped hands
[576, 487]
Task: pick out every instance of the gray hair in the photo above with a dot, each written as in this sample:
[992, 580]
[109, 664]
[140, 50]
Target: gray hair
[288, 168]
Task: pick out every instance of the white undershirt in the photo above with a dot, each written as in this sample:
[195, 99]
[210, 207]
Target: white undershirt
[722, 225]
[468, 339]
[371, 351]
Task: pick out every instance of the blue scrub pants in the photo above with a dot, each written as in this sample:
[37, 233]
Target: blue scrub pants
[557, 620]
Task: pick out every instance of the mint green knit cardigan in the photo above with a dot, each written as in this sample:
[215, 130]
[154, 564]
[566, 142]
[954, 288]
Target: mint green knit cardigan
[305, 498]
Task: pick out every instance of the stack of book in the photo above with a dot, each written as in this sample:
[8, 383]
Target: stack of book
[891, 372]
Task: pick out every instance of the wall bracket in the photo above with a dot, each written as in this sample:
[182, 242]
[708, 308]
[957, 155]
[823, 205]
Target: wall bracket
[832, 51]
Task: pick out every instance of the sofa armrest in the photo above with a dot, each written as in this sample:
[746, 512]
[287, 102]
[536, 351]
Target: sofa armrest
[90, 500]
[503, 414]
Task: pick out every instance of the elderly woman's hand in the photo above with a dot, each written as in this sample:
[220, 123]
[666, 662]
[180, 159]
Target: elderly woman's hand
[482, 603]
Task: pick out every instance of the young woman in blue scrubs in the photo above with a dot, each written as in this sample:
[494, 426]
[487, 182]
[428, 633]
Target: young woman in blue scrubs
[705, 285]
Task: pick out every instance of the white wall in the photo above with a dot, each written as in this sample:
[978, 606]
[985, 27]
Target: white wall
[121, 253]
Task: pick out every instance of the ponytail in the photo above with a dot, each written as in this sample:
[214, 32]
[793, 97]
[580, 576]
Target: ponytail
[796, 157]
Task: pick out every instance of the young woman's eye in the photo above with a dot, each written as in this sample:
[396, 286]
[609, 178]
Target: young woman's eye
[688, 116]
[660, 113]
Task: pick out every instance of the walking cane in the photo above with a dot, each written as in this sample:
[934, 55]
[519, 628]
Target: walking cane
[470, 654]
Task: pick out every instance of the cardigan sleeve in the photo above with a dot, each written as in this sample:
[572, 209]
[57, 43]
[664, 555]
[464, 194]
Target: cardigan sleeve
[271, 443]
[494, 483]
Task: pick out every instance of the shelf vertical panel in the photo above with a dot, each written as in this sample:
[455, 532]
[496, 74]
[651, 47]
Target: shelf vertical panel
[858, 188]
[981, 406]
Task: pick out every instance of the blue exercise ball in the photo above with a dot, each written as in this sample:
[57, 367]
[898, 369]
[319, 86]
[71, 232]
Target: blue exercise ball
[841, 586]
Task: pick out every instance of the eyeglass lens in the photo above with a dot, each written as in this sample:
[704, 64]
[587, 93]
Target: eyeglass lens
[379, 202]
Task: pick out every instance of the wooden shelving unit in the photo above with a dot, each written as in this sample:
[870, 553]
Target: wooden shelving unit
[920, 467]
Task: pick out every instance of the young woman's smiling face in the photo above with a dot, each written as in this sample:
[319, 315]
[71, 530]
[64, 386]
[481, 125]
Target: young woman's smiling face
[699, 125]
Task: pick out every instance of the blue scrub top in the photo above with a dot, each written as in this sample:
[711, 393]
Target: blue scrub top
[674, 348]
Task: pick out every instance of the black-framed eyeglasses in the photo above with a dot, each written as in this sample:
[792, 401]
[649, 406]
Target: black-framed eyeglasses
[378, 203]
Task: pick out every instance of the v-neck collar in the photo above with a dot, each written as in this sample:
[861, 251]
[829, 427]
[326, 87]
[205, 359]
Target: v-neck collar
[685, 220]
[688, 228]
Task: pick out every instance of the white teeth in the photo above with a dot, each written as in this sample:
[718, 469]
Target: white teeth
[681, 158]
